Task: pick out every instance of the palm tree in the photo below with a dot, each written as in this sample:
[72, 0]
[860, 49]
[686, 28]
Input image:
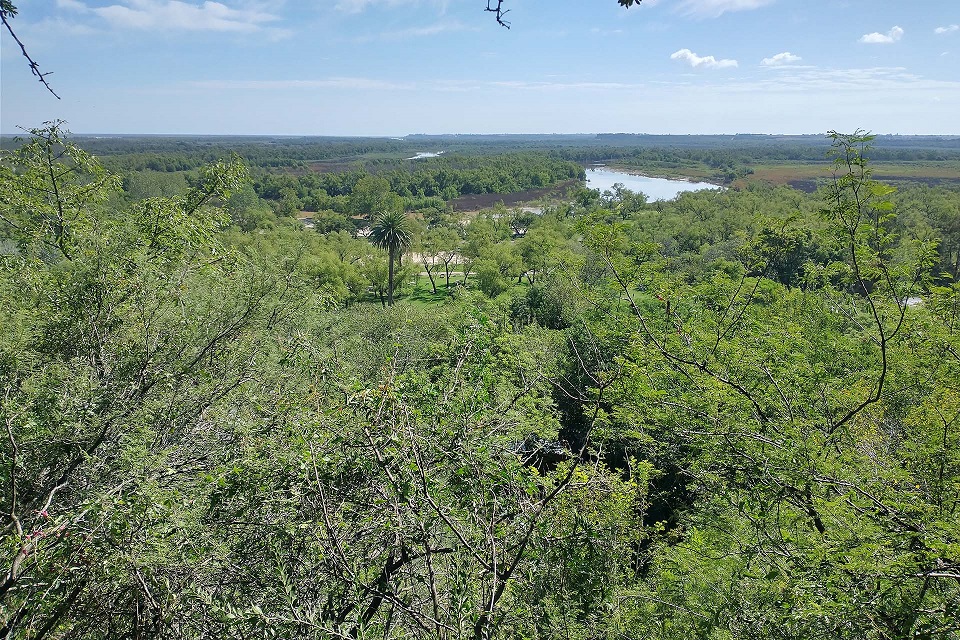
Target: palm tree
[392, 232]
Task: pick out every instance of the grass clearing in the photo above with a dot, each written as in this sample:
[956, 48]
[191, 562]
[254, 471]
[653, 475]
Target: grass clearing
[808, 174]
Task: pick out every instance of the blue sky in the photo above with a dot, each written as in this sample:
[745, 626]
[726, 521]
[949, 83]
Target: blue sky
[393, 67]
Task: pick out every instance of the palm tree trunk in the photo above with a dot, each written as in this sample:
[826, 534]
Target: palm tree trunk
[390, 278]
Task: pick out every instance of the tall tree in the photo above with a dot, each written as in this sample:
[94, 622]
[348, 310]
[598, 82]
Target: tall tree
[393, 233]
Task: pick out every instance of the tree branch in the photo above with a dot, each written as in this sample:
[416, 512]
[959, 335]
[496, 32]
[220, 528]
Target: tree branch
[500, 11]
[7, 10]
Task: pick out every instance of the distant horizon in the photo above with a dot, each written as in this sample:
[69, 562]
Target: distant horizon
[401, 137]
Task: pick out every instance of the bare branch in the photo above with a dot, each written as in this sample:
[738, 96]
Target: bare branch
[7, 10]
[500, 11]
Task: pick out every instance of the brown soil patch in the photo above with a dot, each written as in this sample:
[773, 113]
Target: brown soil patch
[809, 186]
[334, 166]
[478, 201]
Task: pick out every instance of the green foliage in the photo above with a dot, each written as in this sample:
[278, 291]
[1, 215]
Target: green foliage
[371, 195]
[392, 232]
[496, 268]
[124, 352]
[799, 512]
[49, 191]
[332, 222]
[731, 415]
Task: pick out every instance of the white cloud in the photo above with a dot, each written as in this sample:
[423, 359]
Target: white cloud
[780, 59]
[715, 8]
[356, 6]
[566, 86]
[883, 38]
[810, 79]
[948, 29]
[175, 15]
[707, 62]
[370, 84]
[427, 30]
[49, 34]
[606, 32]
[73, 5]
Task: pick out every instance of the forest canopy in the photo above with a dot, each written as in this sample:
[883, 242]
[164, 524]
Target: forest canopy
[734, 414]
[435, 387]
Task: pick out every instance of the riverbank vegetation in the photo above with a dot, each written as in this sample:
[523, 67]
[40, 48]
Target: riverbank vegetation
[731, 415]
[800, 161]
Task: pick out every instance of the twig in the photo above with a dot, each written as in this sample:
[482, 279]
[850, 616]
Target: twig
[500, 11]
[9, 11]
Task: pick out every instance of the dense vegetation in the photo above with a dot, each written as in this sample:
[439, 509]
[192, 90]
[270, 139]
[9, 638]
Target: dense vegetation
[722, 159]
[731, 415]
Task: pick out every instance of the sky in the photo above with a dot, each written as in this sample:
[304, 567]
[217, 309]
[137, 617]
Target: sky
[396, 67]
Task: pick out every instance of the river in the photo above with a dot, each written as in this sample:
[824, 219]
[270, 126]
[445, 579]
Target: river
[603, 178]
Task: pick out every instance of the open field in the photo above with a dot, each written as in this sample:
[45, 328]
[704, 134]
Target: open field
[807, 176]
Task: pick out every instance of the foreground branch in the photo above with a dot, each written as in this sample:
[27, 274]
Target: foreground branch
[7, 10]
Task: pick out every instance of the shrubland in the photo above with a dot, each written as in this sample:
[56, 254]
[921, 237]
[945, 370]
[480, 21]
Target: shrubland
[731, 415]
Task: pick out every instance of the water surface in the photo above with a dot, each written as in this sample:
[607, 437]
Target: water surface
[603, 178]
